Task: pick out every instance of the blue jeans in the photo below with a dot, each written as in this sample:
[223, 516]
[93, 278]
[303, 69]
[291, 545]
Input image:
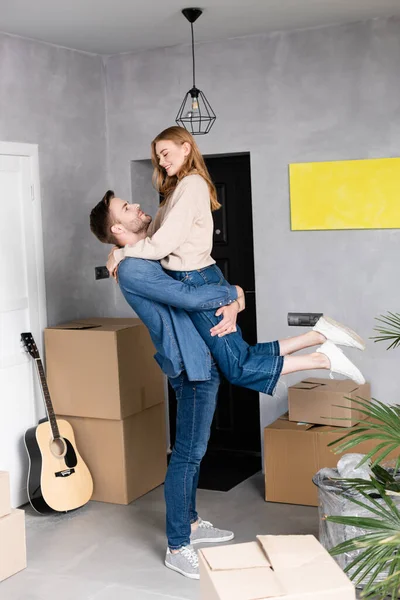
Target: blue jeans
[196, 402]
[255, 367]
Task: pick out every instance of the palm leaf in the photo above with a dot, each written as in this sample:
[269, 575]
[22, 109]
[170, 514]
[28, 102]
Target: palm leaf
[363, 488]
[376, 551]
[375, 569]
[388, 329]
[388, 587]
[377, 548]
[360, 561]
[382, 425]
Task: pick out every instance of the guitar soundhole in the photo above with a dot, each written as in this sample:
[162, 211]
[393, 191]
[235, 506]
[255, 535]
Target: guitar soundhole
[58, 447]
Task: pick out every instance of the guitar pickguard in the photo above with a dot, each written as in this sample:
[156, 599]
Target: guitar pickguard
[70, 457]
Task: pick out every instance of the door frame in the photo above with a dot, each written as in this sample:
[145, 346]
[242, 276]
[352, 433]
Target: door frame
[31, 151]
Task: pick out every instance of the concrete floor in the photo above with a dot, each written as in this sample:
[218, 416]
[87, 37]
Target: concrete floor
[111, 552]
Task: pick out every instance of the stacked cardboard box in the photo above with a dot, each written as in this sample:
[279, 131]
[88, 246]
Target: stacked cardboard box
[288, 567]
[296, 446]
[12, 533]
[104, 380]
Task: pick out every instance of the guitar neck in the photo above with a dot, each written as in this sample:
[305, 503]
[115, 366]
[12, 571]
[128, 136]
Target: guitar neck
[47, 399]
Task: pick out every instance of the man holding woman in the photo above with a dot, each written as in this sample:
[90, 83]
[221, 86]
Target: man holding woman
[177, 302]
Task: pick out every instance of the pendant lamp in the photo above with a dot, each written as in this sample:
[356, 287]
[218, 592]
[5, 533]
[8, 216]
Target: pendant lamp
[195, 113]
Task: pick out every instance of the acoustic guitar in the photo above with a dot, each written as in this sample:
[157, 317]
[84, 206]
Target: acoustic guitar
[58, 479]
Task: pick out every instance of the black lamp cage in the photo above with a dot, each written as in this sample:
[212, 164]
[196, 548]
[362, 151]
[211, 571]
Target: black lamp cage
[195, 113]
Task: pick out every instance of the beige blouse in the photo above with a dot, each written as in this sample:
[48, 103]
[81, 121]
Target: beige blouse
[182, 230]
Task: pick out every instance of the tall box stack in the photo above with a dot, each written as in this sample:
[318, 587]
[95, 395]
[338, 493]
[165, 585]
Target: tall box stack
[296, 445]
[12, 533]
[104, 380]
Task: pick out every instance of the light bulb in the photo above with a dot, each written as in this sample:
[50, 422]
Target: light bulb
[194, 110]
[195, 104]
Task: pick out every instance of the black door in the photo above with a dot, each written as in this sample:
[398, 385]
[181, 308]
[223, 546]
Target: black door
[236, 427]
[236, 424]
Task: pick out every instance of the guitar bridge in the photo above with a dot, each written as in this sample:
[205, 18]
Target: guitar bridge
[65, 473]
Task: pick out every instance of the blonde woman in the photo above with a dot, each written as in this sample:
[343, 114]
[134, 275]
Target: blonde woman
[181, 235]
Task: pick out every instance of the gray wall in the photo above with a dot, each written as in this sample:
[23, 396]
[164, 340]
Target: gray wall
[323, 94]
[55, 98]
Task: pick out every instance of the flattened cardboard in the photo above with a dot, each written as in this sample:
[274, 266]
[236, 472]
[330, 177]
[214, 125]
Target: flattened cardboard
[126, 458]
[318, 401]
[12, 544]
[5, 506]
[293, 453]
[285, 567]
[102, 368]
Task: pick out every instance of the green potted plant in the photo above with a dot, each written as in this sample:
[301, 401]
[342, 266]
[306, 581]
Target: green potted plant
[375, 552]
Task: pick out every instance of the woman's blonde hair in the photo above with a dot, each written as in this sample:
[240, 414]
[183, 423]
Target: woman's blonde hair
[194, 164]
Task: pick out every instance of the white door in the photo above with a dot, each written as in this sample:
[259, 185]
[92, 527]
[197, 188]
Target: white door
[22, 307]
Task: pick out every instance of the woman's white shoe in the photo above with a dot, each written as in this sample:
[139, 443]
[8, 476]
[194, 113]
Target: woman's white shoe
[340, 363]
[338, 333]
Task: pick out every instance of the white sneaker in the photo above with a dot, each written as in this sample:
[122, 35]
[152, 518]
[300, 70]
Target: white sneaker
[338, 333]
[340, 363]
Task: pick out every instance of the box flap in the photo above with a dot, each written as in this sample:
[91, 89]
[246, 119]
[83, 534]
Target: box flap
[306, 385]
[236, 556]
[242, 572]
[283, 424]
[331, 385]
[303, 566]
[75, 326]
[286, 552]
[316, 380]
[317, 578]
[99, 324]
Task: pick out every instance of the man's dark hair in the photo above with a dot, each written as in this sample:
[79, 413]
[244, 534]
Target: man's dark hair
[101, 221]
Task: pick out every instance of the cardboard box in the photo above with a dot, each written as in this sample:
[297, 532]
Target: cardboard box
[293, 453]
[286, 567]
[318, 400]
[12, 544]
[5, 506]
[126, 458]
[102, 368]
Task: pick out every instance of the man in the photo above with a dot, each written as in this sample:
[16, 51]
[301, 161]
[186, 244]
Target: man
[186, 360]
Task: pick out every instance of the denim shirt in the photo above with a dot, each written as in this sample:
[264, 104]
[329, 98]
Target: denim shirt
[146, 287]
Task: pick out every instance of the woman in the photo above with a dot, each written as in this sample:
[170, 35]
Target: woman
[181, 237]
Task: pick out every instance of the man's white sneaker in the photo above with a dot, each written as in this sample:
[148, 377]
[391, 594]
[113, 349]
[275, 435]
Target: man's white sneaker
[340, 363]
[207, 533]
[338, 334]
[185, 562]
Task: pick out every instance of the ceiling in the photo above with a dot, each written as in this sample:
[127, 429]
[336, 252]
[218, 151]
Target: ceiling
[131, 25]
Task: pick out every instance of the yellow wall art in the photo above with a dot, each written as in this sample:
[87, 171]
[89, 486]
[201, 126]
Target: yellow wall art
[350, 194]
